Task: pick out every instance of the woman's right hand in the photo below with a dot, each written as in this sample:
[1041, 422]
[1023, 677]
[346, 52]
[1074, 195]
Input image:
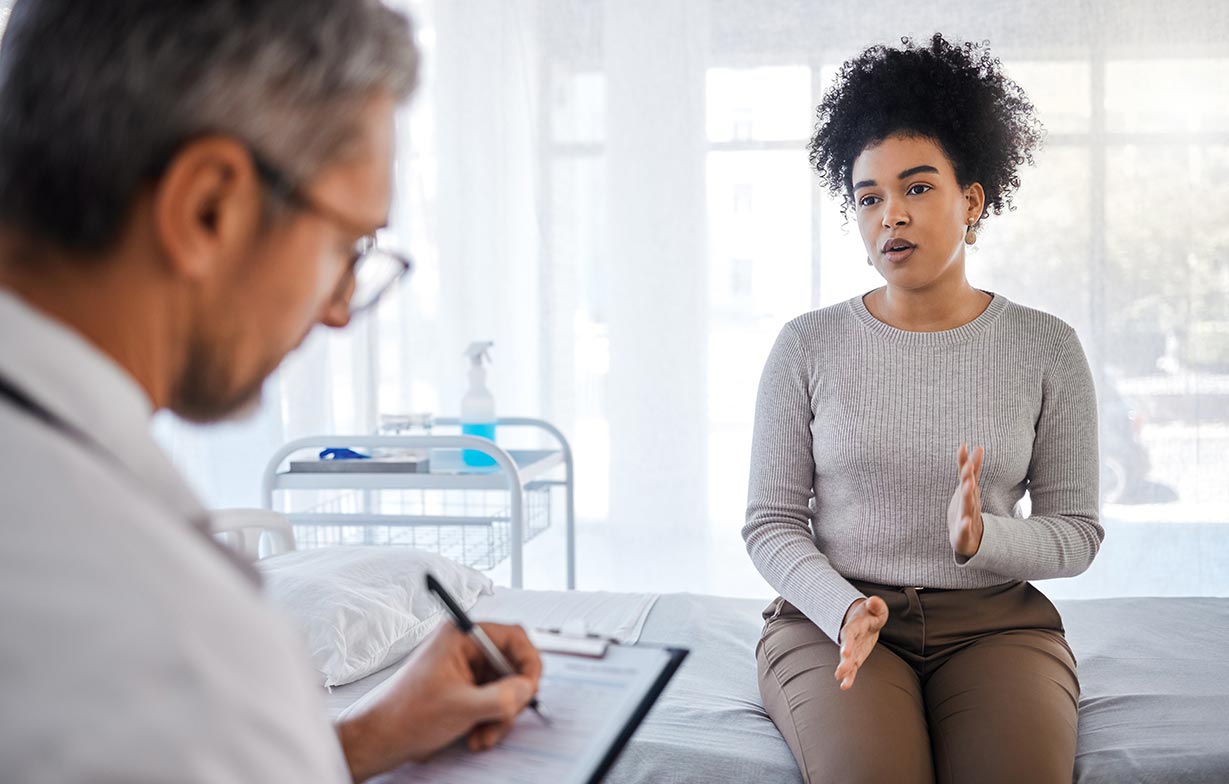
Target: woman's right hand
[859, 634]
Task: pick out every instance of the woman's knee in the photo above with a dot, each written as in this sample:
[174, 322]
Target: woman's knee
[1006, 709]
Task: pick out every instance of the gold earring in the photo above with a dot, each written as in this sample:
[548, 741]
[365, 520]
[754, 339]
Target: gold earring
[970, 234]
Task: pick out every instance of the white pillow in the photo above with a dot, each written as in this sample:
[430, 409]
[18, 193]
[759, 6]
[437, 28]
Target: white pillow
[361, 609]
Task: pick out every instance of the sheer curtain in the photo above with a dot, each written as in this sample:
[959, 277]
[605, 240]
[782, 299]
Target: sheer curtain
[617, 193]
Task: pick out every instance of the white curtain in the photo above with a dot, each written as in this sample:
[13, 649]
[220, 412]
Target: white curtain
[617, 193]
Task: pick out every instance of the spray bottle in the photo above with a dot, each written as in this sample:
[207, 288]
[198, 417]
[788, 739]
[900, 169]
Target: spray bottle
[478, 405]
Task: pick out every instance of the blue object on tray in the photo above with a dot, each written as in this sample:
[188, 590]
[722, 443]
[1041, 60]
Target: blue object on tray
[342, 453]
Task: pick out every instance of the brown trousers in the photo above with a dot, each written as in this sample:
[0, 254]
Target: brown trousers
[963, 686]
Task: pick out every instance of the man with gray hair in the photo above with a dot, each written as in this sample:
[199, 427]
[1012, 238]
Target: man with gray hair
[186, 188]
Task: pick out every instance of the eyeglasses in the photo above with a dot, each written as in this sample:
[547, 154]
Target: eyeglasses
[374, 268]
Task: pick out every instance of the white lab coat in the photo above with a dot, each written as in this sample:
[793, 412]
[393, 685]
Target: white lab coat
[131, 649]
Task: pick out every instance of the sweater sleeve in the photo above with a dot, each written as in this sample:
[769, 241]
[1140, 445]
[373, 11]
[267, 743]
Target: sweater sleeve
[778, 523]
[1063, 534]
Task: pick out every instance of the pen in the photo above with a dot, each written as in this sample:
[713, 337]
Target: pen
[492, 653]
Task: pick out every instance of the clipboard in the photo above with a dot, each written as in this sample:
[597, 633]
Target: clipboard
[676, 656]
[583, 741]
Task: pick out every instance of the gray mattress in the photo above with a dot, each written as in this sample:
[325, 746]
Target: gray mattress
[1154, 707]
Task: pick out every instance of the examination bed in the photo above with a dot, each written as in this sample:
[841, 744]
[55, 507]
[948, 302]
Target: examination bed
[1154, 675]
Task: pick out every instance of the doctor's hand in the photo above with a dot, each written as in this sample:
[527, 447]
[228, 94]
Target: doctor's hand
[445, 691]
[859, 633]
[964, 523]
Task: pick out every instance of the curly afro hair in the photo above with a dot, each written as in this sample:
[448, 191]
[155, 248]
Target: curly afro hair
[955, 94]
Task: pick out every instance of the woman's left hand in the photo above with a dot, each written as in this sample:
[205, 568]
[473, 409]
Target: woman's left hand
[964, 523]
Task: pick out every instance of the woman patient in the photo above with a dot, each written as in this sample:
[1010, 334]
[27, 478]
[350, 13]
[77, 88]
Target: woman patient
[895, 434]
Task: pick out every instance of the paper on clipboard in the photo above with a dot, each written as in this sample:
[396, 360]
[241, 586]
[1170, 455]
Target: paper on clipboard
[595, 704]
[591, 646]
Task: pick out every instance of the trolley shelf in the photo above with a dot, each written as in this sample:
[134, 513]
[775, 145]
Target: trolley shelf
[448, 472]
[396, 501]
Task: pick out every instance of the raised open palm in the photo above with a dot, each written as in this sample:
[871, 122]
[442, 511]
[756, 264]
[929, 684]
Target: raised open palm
[964, 522]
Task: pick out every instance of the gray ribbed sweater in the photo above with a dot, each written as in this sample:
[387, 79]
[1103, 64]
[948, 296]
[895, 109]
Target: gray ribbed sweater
[853, 462]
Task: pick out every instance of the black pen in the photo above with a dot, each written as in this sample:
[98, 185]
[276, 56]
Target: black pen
[492, 653]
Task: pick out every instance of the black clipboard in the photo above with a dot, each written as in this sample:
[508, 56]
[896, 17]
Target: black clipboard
[589, 774]
[646, 704]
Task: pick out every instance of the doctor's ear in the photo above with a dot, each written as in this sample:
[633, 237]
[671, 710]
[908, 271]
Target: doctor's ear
[206, 206]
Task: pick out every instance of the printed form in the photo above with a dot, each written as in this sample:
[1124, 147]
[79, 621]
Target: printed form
[589, 702]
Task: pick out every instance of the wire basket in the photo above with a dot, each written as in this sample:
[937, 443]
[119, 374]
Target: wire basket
[481, 542]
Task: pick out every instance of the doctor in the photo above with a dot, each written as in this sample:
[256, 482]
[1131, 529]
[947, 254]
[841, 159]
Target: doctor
[186, 189]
